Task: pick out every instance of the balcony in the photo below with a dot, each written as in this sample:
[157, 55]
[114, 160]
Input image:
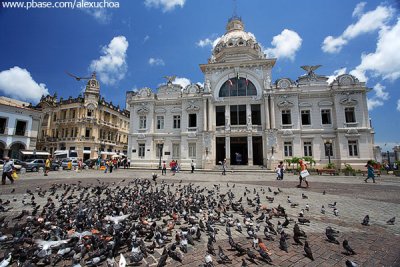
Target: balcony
[287, 126]
[350, 124]
[192, 129]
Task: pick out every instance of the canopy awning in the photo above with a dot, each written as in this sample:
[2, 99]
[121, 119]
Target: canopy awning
[108, 153]
[38, 153]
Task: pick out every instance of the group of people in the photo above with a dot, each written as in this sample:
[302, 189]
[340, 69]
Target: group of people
[175, 167]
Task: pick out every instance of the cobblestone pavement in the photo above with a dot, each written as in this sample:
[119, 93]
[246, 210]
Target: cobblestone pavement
[376, 245]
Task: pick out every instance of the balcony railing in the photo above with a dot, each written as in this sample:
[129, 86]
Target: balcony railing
[350, 124]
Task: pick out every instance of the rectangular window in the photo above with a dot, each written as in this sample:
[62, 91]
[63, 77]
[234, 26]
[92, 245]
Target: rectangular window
[176, 149]
[192, 120]
[73, 114]
[192, 150]
[326, 116]
[20, 128]
[307, 149]
[220, 115]
[142, 150]
[353, 149]
[160, 122]
[350, 115]
[158, 149]
[238, 115]
[54, 117]
[256, 114]
[89, 113]
[3, 124]
[328, 149]
[286, 117]
[305, 117]
[177, 121]
[288, 149]
[142, 122]
[87, 132]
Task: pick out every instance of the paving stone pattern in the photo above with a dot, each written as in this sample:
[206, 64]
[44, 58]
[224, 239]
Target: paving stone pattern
[376, 245]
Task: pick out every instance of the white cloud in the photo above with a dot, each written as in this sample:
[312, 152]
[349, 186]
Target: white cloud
[146, 38]
[112, 66]
[286, 44]
[208, 42]
[182, 81]
[385, 61]
[156, 62]
[378, 99]
[368, 22]
[166, 5]
[359, 9]
[398, 105]
[19, 84]
[101, 15]
[336, 73]
[380, 92]
[373, 103]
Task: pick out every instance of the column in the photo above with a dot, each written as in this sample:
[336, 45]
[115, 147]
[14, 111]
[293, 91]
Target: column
[250, 150]
[205, 123]
[266, 113]
[227, 118]
[228, 149]
[211, 115]
[272, 113]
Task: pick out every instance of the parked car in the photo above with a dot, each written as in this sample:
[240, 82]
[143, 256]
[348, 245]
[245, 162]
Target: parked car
[64, 163]
[34, 164]
[17, 164]
[90, 162]
[55, 165]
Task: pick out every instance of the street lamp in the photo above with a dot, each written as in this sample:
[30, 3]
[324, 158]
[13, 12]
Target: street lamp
[328, 144]
[160, 147]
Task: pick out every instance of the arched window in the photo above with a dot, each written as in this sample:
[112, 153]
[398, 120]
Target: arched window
[237, 87]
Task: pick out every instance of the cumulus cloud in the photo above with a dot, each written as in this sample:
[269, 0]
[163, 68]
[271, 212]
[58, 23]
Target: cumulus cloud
[286, 44]
[359, 9]
[19, 84]
[368, 22]
[146, 38]
[166, 5]
[378, 99]
[182, 81]
[112, 67]
[398, 105]
[385, 61]
[336, 73]
[208, 42]
[156, 62]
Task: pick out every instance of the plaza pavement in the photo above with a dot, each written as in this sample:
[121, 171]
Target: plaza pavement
[376, 245]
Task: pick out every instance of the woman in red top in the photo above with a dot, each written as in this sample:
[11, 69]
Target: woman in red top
[303, 167]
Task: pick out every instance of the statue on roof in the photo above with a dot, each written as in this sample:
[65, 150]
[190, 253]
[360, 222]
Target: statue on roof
[170, 79]
[310, 70]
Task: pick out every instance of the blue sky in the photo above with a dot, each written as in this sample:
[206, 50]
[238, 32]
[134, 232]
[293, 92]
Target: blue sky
[141, 41]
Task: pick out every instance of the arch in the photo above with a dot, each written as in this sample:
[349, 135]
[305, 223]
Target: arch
[15, 149]
[237, 86]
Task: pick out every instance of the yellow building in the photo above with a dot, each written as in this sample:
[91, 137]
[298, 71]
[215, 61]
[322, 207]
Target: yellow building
[87, 124]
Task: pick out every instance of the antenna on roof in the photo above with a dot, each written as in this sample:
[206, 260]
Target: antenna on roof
[234, 8]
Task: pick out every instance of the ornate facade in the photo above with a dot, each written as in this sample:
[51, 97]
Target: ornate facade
[242, 116]
[87, 124]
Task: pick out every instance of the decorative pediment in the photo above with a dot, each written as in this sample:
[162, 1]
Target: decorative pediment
[141, 136]
[192, 89]
[176, 110]
[287, 132]
[192, 106]
[352, 132]
[144, 93]
[305, 104]
[142, 110]
[348, 101]
[160, 110]
[283, 83]
[346, 80]
[285, 104]
[325, 103]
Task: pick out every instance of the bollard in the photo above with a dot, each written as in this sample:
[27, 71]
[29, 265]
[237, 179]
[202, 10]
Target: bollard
[41, 170]
[86, 167]
[22, 171]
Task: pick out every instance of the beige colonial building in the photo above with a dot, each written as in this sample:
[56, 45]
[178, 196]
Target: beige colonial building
[19, 125]
[87, 124]
[244, 116]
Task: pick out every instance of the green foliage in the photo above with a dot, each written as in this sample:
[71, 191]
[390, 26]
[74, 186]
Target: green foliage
[330, 166]
[347, 167]
[310, 160]
[288, 161]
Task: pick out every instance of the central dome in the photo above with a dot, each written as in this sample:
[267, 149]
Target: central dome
[234, 37]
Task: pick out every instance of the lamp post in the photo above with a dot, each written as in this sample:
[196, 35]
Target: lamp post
[328, 144]
[160, 147]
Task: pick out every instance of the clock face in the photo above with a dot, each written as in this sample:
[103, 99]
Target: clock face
[93, 83]
[284, 84]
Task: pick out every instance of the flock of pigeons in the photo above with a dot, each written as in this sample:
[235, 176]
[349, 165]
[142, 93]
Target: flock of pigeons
[95, 224]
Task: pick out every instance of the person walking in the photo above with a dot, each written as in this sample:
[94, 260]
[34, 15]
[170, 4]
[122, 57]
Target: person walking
[224, 167]
[47, 166]
[370, 171]
[129, 163]
[106, 163]
[110, 165]
[164, 168]
[8, 168]
[279, 171]
[303, 177]
[192, 165]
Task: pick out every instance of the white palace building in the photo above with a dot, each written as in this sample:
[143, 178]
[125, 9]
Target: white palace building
[242, 116]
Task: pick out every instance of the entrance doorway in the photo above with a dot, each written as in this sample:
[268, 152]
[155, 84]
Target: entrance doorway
[86, 156]
[257, 150]
[239, 151]
[220, 150]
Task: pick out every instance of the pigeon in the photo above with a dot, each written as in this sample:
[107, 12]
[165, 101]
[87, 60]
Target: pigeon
[332, 205]
[208, 261]
[303, 196]
[303, 220]
[348, 249]
[323, 209]
[251, 256]
[264, 256]
[244, 263]
[289, 200]
[283, 244]
[330, 235]
[365, 221]
[116, 219]
[6, 261]
[308, 251]
[307, 207]
[335, 212]
[391, 221]
[350, 263]
[223, 258]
